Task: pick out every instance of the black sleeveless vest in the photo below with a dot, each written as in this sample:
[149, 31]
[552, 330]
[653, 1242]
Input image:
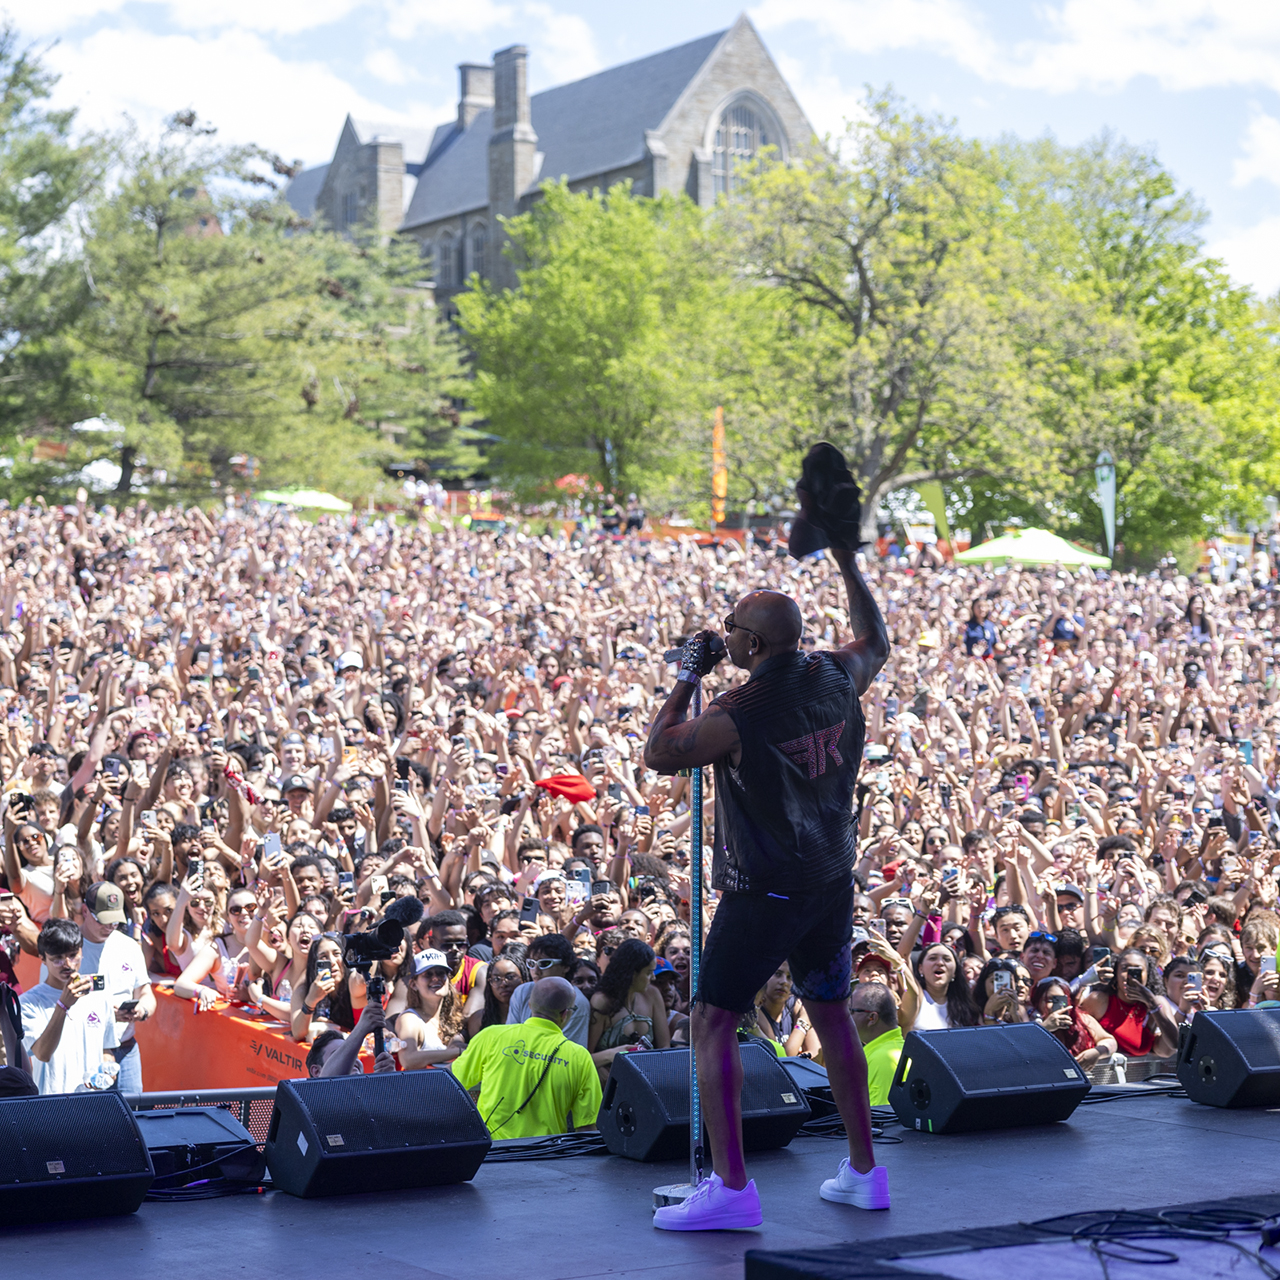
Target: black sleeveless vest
[784, 816]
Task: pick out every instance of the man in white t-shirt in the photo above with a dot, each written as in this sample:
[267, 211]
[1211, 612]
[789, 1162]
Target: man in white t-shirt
[64, 1021]
[119, 959]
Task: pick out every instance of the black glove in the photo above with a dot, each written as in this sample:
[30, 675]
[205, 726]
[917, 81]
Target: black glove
[701, 653]
[830, 504]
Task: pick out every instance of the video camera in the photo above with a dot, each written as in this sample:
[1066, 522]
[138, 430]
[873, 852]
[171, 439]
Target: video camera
[364, 952]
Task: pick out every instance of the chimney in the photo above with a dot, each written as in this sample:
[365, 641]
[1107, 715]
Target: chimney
[475, 91]
[513, 148]
[511, 87]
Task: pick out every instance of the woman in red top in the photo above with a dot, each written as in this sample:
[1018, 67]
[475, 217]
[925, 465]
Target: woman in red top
[1130, 1008]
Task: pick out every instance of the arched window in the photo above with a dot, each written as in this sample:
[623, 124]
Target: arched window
[479, 243]
[740, 135]
[428, 260]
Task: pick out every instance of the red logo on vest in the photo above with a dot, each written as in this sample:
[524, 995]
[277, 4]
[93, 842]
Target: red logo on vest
[812, 750]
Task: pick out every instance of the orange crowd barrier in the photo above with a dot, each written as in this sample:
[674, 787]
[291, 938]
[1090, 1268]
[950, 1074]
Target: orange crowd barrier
[226, 1047]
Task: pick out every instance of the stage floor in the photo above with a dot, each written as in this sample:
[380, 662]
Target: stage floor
[591, 1216]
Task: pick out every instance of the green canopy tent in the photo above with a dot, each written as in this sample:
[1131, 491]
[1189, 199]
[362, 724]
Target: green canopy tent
[307, 499]
[1032, 547]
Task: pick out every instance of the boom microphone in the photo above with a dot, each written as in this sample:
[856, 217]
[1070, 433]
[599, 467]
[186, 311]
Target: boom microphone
[405, 911]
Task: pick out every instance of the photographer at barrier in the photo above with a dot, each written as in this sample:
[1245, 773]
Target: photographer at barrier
[333, 1054]
[533, 1079]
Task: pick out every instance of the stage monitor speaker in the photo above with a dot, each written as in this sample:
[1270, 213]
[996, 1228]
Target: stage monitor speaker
[812, 1081]
[70, 1155]
[645, 1111]
[1231, 1058]
[970, 1078]
[190, 1144]
[379, 1132]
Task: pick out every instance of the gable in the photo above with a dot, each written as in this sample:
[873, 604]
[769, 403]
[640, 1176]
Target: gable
[587, 127]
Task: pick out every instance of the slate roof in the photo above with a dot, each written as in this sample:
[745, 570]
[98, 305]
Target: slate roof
[587, 127]
[303, 188]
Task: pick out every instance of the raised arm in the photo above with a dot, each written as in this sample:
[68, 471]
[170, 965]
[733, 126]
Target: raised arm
[868, 651]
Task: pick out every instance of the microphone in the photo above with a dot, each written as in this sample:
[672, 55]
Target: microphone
[405, 911]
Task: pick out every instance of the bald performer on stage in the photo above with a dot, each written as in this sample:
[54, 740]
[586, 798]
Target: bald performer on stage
[786, 747]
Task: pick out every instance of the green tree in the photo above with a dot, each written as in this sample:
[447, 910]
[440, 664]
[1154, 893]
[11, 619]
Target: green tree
[918, 322]
[586, 366]
[183, 342]
[376, 354]
[1183, 391]
[217, 330]
[42, 174]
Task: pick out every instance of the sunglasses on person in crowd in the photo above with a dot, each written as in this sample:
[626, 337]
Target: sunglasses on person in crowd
[545, 963]
[896, 902]
[1041, 936]
[1000, 912]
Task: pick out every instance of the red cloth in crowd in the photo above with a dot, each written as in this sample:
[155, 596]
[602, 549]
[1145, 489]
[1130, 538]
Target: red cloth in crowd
[573, 786]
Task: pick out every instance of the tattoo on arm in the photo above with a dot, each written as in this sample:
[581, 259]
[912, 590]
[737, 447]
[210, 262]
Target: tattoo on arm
[864, 614]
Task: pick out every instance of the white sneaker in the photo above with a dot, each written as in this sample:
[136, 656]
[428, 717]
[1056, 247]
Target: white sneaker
[865, 1190]
[712, 1207]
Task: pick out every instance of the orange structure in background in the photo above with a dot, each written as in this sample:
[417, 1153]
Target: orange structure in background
[719, 471]
[226, 1047]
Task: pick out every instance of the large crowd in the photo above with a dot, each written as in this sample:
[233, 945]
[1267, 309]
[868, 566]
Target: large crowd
[227, 741]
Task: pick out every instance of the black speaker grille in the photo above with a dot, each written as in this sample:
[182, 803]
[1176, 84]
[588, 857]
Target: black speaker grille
[1001, 1058]
[74, 1135]
[381, 1112]
[1256, 1037]
[764, 1081]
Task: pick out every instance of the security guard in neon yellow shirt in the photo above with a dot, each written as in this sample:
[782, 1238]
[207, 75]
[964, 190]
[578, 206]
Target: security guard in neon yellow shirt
[875, 1015]
[533, 1080]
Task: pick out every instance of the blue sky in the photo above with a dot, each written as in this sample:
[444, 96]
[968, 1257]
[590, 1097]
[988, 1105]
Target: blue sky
[1197, 79]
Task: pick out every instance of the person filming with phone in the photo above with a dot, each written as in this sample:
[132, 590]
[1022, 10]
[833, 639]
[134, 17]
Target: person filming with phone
[66, 1018]
[786, 746]
[1132, 1008]
[110, 953]
[1083, 1037]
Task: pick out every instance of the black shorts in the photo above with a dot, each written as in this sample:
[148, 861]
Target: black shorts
[753, 933]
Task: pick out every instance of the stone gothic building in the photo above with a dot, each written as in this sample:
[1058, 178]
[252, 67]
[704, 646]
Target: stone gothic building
[676, 121]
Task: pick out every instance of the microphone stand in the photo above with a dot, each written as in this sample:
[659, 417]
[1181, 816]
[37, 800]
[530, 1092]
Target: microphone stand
[675, 1193]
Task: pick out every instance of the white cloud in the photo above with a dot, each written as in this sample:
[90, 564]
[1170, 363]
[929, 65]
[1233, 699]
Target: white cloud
[50, 17]
[1252, 254]
[565, 47]
[950, 27]
[233, 80]
[280, 17]
[386, 65]
[1261, 158]
[406, 18]
[1083, 44]
[284, 17]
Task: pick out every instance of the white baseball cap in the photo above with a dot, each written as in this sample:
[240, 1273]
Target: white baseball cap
[349, 659]
[425, 960]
